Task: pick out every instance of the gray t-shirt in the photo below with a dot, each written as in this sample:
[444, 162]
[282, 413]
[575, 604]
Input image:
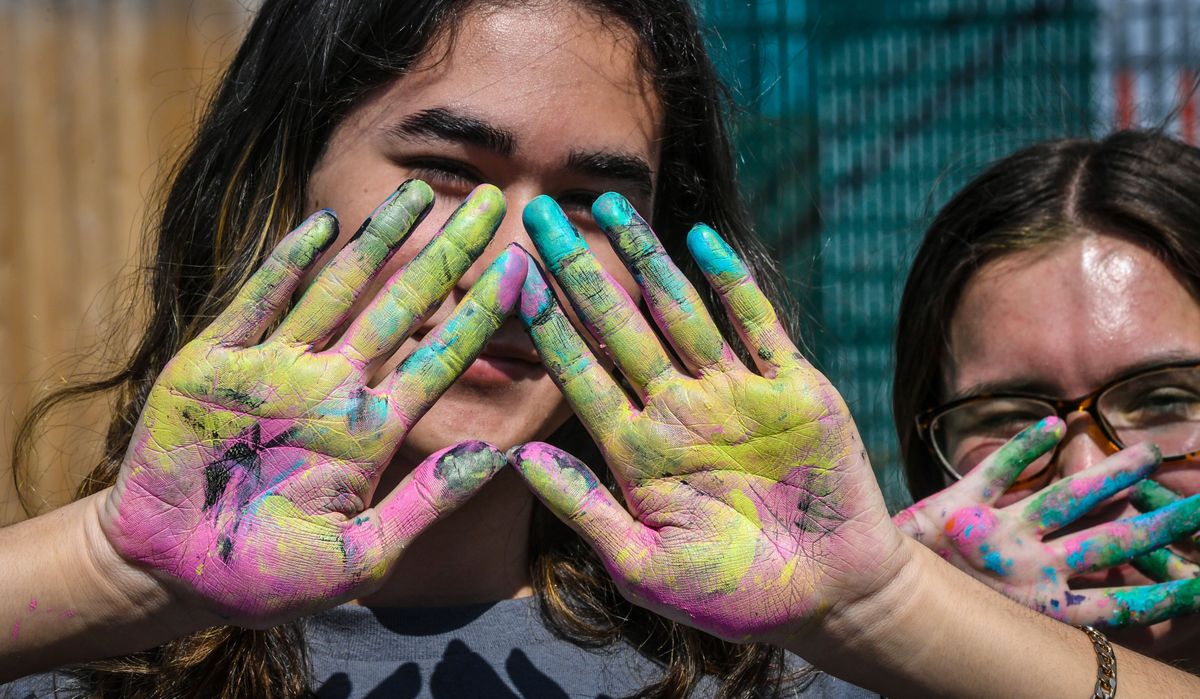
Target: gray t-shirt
[499, 649]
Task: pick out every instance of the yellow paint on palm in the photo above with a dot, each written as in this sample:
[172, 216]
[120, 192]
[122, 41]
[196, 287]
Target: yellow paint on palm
[745, 507]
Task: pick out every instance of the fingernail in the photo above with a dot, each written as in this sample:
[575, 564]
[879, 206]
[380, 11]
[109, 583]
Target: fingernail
[712, 253]
[613, 210]
[324, 219]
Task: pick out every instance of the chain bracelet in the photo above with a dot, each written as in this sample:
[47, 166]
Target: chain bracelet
[1106, 665]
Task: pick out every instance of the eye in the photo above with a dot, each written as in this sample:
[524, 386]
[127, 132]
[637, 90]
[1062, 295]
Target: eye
[1157, 406]
[577, 205]
[445, 176]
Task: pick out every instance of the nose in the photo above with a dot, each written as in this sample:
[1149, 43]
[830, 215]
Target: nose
[1083, 447]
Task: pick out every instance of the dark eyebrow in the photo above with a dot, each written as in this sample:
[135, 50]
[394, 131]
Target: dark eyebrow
[1040, 388]
[629, 169]
[990, 388]
[453, 125]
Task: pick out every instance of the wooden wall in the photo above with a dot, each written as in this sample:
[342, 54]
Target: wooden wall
[96, 96]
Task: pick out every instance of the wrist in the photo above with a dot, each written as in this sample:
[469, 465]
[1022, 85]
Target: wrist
[69, 597]
[935, 631]
[124, 590]
[874, 631]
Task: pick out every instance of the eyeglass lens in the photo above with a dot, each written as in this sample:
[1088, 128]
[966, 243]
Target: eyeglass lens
[968, 434]
[1160, 406]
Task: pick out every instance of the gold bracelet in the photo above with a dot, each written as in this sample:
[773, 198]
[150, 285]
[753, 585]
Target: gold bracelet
[1106, 670]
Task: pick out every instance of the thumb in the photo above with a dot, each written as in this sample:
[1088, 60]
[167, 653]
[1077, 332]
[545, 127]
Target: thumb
[439, 485]
[572, 492]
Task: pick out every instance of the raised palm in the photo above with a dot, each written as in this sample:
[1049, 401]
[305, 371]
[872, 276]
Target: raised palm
[249, 474]
[751, 505]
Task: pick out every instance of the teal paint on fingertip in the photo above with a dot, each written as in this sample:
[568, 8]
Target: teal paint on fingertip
[542, 212]
[712, 253]
[550, 230]
[613, 210]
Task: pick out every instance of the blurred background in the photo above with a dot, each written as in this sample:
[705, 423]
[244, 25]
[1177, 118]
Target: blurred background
[857, 120]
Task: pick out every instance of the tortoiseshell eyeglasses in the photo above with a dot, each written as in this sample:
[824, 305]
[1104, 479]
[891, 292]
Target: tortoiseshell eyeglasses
[1160, 405]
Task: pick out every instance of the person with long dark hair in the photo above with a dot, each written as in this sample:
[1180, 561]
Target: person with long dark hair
[1063, 285]
[331, 104]
[266, 464]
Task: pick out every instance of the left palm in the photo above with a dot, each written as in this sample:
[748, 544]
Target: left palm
[751, 504]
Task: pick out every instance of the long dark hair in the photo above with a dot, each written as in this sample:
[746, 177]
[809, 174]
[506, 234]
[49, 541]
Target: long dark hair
[240, 185]
[1140, 185]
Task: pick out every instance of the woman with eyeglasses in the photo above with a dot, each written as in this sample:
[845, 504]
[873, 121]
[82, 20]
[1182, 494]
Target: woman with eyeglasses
[1055, 302]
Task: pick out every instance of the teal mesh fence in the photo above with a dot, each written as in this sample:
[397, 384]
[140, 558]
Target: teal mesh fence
[860, 119]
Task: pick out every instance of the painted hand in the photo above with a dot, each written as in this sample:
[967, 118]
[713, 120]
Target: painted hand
[1005, 547]
[1162, 565]
[752, 507]
[246, 484]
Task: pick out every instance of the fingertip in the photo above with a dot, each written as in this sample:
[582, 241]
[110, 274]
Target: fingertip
[551, 468]
[536, 296]
[513, 453]
[521, 453]
[304, 244]
[542, 213]
[1042, 434]
[417, 188]
[712, 253]
[325, 226]
[513, 266]
[489, 198]
[464, 467]
[1053, 426]
[611, 209]
[516, 259]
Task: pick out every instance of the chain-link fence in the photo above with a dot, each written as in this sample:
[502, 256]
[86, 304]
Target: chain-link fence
[861, 118]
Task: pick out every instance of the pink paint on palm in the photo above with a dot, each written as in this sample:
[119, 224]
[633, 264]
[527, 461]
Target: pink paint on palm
[971, 526]
[249, 475]
[751, 505]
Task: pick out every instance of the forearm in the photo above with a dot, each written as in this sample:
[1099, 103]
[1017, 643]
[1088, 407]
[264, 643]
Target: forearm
[937, 632]
[66, 597]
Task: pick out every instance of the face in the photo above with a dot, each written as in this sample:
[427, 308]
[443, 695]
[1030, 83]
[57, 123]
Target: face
[535, 101]
[1062, 321]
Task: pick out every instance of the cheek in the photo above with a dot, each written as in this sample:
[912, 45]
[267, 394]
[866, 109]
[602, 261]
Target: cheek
[1183, 478]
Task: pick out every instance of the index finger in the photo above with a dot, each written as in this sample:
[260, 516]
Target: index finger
[987, 482]
[604, 307]
[593, 394]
